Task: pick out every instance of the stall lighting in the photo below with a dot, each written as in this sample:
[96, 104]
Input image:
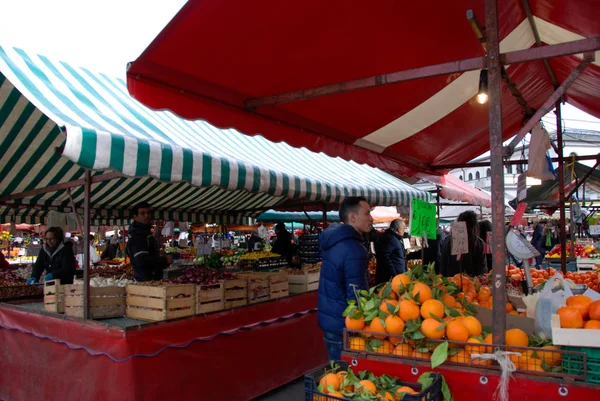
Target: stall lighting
[530, 181]
[482, 96]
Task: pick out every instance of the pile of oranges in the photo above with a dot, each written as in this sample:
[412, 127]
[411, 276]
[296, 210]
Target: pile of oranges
[589, 278]
[580, 312]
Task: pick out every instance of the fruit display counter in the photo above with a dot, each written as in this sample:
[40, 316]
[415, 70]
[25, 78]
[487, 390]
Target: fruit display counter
[46, 356]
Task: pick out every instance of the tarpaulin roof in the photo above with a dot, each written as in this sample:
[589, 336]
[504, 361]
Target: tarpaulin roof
[452, 188]
[185, 170]
[215, 59]
[272, 216]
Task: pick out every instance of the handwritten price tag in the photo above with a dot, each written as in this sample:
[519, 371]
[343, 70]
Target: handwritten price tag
[422, 219]
[460, 238]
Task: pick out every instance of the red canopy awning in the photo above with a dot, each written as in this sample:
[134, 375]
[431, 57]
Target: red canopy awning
[214, 58]
[455, 189]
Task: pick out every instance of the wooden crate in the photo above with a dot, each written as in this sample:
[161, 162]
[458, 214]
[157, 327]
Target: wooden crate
[573, 337]
[263, 286]
[158, 303]
[54, 296]
[278, 285]
[105, 302]
[235, 293]
[309, 281]
[586, 264]
[210, 298]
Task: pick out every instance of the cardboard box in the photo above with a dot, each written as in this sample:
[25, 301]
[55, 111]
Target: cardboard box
[524, 323]
[517, 301]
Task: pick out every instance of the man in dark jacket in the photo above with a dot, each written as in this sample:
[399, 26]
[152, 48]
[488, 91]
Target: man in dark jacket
[142, 248]
[344, 268]
[56, 257]
[283, 243]
[390, 252]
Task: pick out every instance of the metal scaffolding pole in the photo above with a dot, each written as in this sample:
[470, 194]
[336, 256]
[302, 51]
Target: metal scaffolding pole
[86, 243]
[561, 189]
[497, 166]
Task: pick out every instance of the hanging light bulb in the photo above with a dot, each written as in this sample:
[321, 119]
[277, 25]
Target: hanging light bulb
[482, 96]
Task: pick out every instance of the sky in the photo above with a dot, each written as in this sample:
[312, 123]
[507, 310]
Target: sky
[105, 35]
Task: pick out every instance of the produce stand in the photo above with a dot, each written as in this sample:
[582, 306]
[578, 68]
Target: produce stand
[190, 358]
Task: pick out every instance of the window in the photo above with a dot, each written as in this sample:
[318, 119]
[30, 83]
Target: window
[470, 177]
[509, 169]
[477, 176]
[489, 172]
[461, 178]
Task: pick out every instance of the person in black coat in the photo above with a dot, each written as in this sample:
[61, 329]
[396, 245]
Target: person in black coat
[56, 257]
[473, 263]
[538, 241]
[142, 247]
[485, 227]
[390, 252]
[283, 242]
[253, 240]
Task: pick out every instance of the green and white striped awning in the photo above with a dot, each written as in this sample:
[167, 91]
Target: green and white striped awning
[178, 166]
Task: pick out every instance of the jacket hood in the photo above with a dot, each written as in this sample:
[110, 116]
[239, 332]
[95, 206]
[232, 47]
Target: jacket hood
[136, 227]
[336, 233]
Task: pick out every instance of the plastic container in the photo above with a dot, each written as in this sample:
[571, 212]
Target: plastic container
[311, 382]
[574, 364]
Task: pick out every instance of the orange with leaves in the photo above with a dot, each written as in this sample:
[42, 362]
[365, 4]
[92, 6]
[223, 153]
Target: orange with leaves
[409, 310]
[366, 386]
[423, 291]
[433, 329]
[376, 326]
[394, 325]
[353, 323]
[400, 282]
[358, 344]
[403, 349]
[432, 308]
[456, 331]
[388, 306]
[330, 379]
[449, 300]
[473, 326]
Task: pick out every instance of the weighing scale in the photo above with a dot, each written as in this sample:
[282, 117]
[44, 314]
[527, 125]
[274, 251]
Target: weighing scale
[522, 249]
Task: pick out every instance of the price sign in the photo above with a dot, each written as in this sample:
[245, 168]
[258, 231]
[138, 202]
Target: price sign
[460, 238]
[595, 230]
[422, 219]
[518, 214]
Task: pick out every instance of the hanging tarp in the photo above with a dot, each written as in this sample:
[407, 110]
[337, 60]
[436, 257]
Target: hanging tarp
[174, 164]
[406, 127]
[272, 216]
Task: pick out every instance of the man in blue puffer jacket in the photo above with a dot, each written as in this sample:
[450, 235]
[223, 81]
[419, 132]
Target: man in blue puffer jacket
[345, 262]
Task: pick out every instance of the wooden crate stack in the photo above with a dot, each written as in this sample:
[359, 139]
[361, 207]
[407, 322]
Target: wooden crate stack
[158, 303]
[105, 302]
[264, 286]
[278, 285]
[210, 298]
[54, 296]
[308, 281]
[235, 293]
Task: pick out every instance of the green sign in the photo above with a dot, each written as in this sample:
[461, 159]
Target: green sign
[422, 219]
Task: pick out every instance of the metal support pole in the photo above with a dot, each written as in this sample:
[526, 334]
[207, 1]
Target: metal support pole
[561, 189]
[439, 194]
[572, 228]
[497, 166]
[86, 243]
[324, 216]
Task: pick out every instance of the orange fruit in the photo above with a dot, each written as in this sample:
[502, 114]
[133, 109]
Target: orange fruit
[488, 340]
[570, 317]
[376, 327]
[432, 307]
[423, 290]
[330, 379]
[513, 312]
[592, 325]
[449, 300]
[403, 349]
[582, 303]
[405, 389]
[460, 357]
[366, 386]
[473, 326]
[595, 310]
[400, 282]
[481, 362]
[509, 307]
[433, 329]
[355, 324]
[456, 331]
[551, 359]
[335, 394]
[484, 294]
[474, 349]
[527, 362]
[392, 294]
[394, 325]
[387, 397]
[421, 355]
[385, 347]
[358, 344]
[409, 310]
[516, 338]
[388, 304]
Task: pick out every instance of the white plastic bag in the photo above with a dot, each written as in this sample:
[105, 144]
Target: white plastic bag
[548, 303]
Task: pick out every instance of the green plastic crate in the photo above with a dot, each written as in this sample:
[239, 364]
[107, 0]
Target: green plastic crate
[574, 364]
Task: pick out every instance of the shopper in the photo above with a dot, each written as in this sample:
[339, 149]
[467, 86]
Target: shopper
[473, 263]
[344, 269]
[253, 241]
[142, 247]
[56, 258]
[283, 243]
[538, 241]
[485, 226]
[4, 265]
[390, 252]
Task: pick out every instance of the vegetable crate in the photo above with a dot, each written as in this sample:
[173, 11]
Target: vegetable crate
[305, 282]
[278, 285]
[586, 264]
[105, 302]
[210, 298]
[587, 360]
[158, 303]
[258, 286]
[311, 382]
[54, 296]
[235, 293]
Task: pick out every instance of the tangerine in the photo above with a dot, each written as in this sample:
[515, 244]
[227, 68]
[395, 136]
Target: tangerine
[388, 306]
[423, 290]
[392, 294]
[474, 349]
[400, 282]
[484, 294]
[582, 303]
[473, 325]
[570, 317]
[457, 331]
[385, 347]
[592, 325]
[449, 300]
[433, 329]
[394, 325]
[432, 308]
[366, 386]
[595, 310]
[358, 344]
[376, 326]
[516, 338]
[355, 324]
[403, 349]
[409, 310]
[488, 340]
[330, 379]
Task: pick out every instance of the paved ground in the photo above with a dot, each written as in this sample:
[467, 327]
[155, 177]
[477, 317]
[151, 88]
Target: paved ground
[293, 391]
